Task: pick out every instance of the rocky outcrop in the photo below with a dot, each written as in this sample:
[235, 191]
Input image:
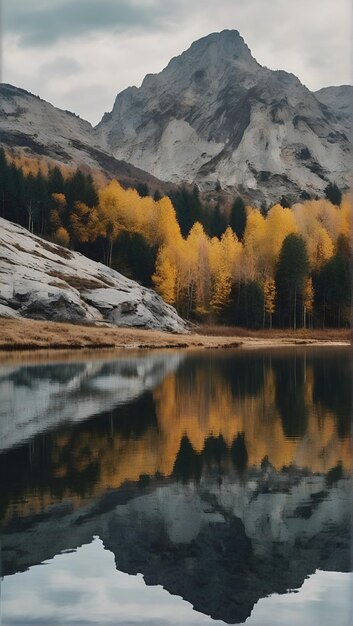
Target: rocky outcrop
[215, 116]
[42, 280]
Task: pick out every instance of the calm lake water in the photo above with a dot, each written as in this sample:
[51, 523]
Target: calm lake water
[177, 489]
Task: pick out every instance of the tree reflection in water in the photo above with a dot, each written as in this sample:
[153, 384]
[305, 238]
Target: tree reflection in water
[226, 481]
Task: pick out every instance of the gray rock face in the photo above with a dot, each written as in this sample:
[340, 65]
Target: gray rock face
[41, 280]
[215, 115]
[339, 101]
[39, 129]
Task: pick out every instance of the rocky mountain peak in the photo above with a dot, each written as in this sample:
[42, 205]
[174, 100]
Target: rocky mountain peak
[225, 47]
[215, 116]
[210, 59]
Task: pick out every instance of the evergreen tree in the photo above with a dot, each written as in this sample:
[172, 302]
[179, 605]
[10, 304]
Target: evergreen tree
[134, 257]
[56, 183]
[218, 223]
[332, 288]
[285, 202]
[157, 196]
[80, 188]
[188, 208]
[238, 218]
[250, 305]
[142, 189]
[291, 273]
[333, 193]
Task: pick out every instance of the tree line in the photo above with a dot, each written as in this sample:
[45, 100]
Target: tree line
[287, 267]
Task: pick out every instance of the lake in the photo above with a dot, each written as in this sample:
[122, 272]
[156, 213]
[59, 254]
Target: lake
[175, 488]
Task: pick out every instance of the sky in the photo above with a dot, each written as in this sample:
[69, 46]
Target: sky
[78, 54]
[85, 589]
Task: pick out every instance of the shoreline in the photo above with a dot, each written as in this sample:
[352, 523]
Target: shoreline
[21, 338]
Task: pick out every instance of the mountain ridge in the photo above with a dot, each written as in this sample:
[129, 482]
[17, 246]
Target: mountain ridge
[65, 138]
[213, 117]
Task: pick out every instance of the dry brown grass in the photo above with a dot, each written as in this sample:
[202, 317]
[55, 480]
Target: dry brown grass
[319, 334]
[25, 335]
[77, 282]
[57, 250]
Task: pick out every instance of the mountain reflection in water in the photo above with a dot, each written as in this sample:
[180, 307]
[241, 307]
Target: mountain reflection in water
[223, 477]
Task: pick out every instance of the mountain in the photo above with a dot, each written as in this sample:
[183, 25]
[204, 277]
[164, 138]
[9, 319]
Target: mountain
[214, 116]
[36, 128]
[339, 100]
[42, 280]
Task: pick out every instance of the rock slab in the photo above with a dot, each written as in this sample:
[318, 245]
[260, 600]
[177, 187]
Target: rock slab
[42, 280]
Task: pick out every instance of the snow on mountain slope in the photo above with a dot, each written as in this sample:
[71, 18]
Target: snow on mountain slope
[42, 280]
[214, 115]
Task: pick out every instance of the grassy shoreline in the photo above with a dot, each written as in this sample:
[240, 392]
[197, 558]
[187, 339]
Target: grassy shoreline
[28, 336]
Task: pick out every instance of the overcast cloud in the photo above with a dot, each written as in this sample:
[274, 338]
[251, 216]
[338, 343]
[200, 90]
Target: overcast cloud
[79, 54]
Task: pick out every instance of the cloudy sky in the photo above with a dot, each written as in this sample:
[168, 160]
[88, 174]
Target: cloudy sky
[79, 54]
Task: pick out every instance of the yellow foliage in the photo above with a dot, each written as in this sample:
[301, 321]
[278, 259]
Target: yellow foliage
[60, 201]
[84, 222]
[62, 237]
[198, 273]
[269, 295]
[280, 223]
[254, 236]
[164, 278]
[311, 218]
[55, 220]
[309, 295]
[225, 256]
[168, 229]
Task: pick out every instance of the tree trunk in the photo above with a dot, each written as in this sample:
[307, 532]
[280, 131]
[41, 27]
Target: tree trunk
[295, 310]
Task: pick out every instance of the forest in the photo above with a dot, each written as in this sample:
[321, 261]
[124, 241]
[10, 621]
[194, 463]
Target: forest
[287, 267]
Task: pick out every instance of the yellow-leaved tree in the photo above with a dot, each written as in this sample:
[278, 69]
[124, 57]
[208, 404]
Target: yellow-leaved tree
[319, 244]
[110, 211]
[197, 275]
[270, 297]
[164, 278]
[308, 304]
[254, 236]
[56, 214]
[84, 222]
[62, 237]
[280, 222]
[225, 255]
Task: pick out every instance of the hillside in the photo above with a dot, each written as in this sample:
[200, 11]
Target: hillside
[41, 280]
[35, 128]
